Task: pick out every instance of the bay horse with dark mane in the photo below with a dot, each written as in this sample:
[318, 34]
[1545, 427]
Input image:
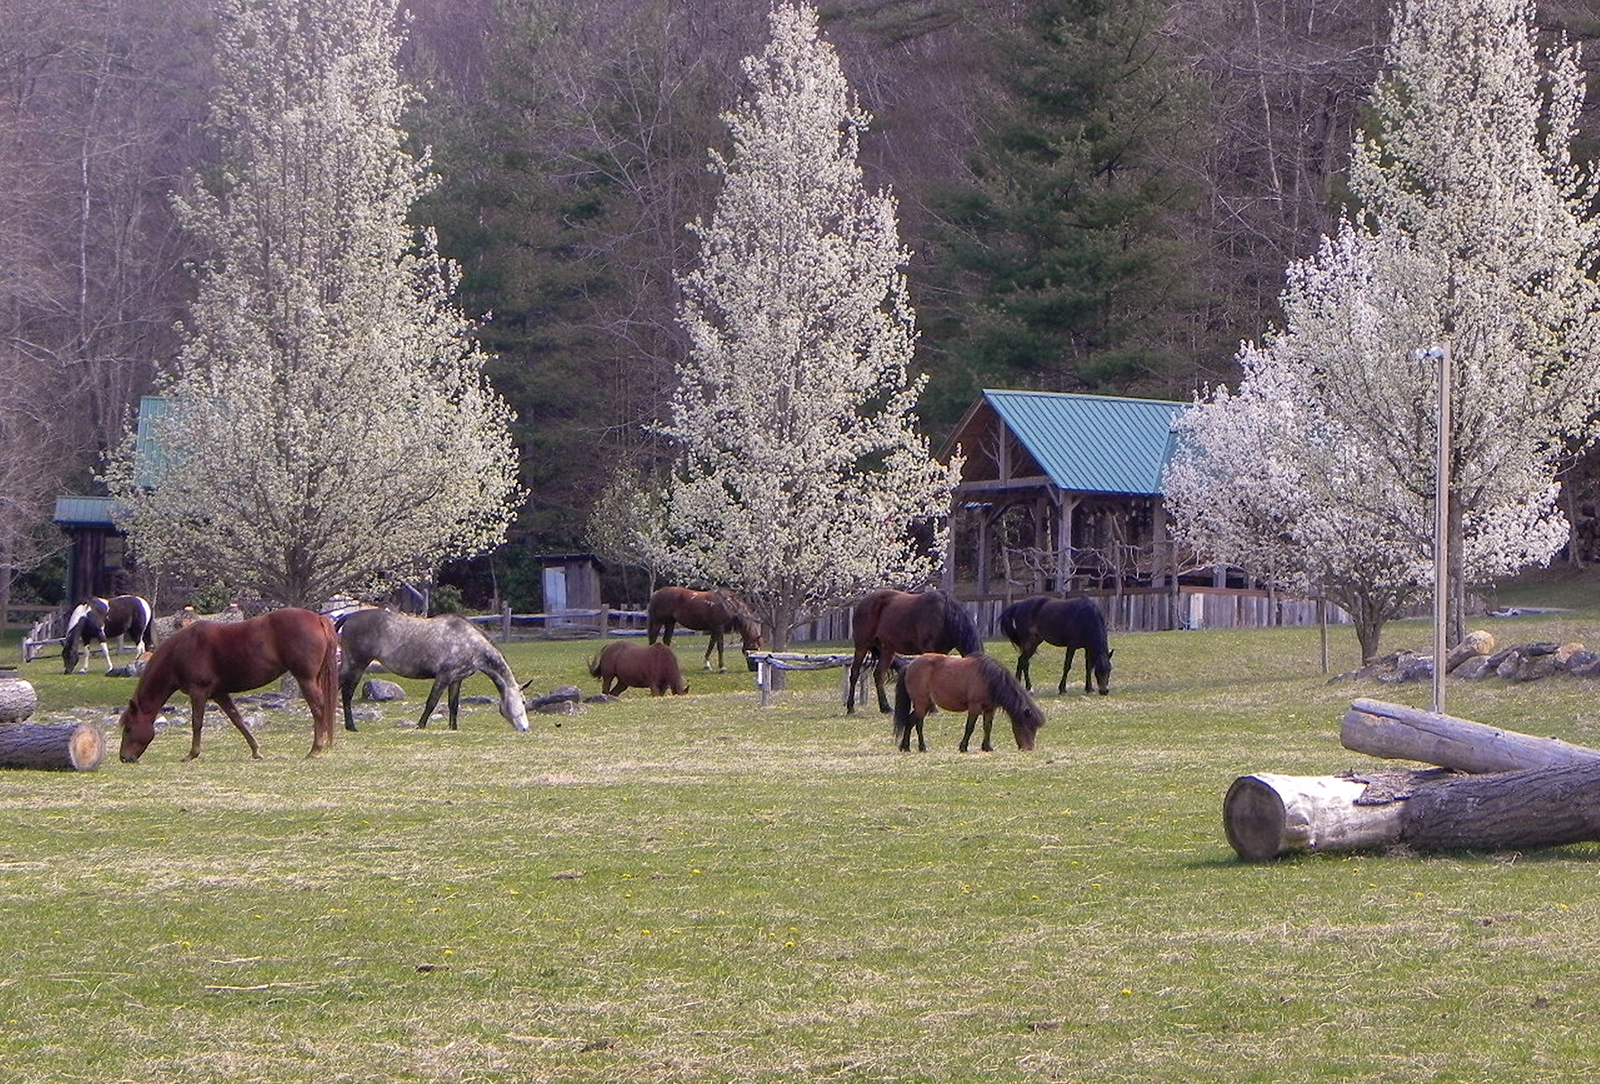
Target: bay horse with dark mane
[1065, 622]
[645, 666]
[447, 648]
[976, 685]
[889, 623]
[211, 659]
[99, 619]
[715, 612]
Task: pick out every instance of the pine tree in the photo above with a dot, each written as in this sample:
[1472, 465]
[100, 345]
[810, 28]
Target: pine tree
[328, 426]
[1064, 251]
[801, 478]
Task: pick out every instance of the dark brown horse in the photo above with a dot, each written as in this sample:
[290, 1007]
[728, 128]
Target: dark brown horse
[1065, 622]
[211, 659]
[976, 685]
[99, 619]
[714, 612]
[889, 622]
[651, 666]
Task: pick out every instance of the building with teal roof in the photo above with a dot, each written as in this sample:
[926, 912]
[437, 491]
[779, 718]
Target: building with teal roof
[1061, 492]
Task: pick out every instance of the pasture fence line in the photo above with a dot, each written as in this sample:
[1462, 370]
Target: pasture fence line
[1141, 610]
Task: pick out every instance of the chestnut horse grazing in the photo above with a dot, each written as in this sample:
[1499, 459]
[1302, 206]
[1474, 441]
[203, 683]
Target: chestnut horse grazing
[976, 685]
[210, 659]
[889, 622]
[1065, 622]
[651, 666]
[714, 612]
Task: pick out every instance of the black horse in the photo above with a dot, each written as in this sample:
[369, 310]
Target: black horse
[889, 622]
[1065, 622]
[96, 620]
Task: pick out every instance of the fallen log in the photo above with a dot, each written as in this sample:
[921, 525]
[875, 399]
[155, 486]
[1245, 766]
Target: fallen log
[55, 747]
[17, 699]
[1397, 732]
[1266, 816]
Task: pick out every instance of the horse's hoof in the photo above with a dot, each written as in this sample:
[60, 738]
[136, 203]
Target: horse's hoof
[350, 726]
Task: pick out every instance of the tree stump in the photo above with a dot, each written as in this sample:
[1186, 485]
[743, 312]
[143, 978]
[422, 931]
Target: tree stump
[56, 747]
[17, 700]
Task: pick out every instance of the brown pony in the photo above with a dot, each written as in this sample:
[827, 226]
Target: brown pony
[210, 659]
[975, 685]
[713, 612]
[652, 667]
[889, 622]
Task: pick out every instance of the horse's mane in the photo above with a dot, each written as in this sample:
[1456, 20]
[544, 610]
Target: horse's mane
[1007, 691]
[959, 628]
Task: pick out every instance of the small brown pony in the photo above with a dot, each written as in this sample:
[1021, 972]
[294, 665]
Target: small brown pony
[889, 622]
[976, 685]
[713, 612]
[651, 666]
[210, 659]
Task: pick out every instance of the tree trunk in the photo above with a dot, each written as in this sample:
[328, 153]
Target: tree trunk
[1270, 815]
[1396, 732]
[70, 746]
[17, 700]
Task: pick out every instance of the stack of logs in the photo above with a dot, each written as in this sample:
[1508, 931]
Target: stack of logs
[1493, 789]
[61, 747]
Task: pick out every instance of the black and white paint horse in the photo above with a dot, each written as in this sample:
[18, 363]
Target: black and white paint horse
[99, 619]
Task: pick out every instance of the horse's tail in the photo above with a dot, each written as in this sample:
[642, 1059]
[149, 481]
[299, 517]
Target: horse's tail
[902, 703]
[960, 631]
[594, 666]
[1008, 623]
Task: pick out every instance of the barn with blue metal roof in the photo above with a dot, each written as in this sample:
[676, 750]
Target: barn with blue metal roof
[1061, 492]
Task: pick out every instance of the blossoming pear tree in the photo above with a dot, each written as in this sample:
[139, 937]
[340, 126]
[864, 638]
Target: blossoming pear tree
[1474, 230]
[328, 425]
[801, 478]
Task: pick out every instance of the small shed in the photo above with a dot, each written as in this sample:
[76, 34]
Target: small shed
[1061, 492]
[571, 583]
[97, 562]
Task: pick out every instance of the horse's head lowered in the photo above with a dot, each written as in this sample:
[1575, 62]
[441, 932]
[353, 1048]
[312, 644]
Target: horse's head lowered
[1101, 666]
[138, 731]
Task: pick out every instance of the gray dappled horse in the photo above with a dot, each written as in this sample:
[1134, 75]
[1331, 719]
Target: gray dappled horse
[448, 648]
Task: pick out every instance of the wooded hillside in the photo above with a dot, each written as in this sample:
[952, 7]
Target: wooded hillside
[1098, 196]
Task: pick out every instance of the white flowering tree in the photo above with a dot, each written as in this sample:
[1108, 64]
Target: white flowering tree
[801, 479]
[328, 424]
[1474, 230]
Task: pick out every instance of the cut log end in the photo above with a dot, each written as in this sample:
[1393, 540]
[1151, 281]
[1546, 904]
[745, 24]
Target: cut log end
[1254, 818]
[66, 747]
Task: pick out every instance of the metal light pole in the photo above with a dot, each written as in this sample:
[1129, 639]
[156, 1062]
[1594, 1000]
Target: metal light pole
[1441, 523]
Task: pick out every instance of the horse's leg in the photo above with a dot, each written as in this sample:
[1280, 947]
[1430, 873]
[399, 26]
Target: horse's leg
[105, 650]
[433, 702]
[455, 703]
[885, 663]
[855, 679]
[988, 727]
[1024, 657]
[966, 737]
[713, 640]
[1066, 666]
[226, 704]
[666, 630]
[351, 669]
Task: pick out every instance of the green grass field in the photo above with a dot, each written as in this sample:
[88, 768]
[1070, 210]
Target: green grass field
[702, 889]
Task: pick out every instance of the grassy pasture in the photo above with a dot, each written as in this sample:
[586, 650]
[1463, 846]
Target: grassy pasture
[700, 889]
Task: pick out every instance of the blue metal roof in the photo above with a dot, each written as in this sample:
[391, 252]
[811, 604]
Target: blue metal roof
[1092, 443]
[83, 512]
